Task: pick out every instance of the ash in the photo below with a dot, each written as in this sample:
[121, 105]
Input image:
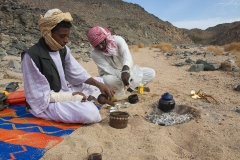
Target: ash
[168, 119]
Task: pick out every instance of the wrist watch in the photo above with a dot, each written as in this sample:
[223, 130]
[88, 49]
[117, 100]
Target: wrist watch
[125, 71]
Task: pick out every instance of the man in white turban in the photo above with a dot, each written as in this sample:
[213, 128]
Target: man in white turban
[56, 86]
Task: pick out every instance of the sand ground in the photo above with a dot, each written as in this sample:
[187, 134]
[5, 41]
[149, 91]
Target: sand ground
[214, 133]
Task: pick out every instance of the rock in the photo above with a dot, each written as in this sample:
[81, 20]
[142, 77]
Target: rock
[189, 60]
[13, 52]
[180, 64]
[208, 66]
[226, 66]
[186, 53]
[237, 110]
[196, 68]
[14, 64]
[20, 46]
[235, 69]
[237, 88]
[12, 75]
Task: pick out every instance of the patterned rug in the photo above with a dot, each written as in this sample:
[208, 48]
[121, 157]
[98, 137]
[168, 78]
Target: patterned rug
[23, 136]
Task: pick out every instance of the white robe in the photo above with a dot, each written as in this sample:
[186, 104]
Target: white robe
[37, 91]
[110, 67]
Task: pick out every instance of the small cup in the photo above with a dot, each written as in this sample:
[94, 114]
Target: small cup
[118, 106]
[94, 153]
[127, 104]
[108, 106]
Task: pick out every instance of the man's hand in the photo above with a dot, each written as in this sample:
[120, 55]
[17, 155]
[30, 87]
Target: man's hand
[82, 94]
[106, 90]
[125, 75]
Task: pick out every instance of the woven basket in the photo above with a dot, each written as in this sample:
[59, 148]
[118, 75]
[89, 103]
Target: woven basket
[119, 119]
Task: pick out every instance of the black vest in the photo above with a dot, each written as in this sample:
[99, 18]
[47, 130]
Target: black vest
[40, 55]
[42, 59]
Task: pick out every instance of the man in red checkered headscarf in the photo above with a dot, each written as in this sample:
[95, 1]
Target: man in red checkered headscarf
[113, 58]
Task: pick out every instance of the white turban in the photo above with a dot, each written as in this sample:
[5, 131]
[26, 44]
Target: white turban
[48, 22]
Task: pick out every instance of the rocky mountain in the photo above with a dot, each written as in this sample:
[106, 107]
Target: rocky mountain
[218, 35]
[18, 19]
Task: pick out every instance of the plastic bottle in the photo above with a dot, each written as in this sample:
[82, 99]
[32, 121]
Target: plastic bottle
[140, 88]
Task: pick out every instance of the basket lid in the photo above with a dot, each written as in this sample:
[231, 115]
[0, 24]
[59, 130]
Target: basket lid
[119, 114]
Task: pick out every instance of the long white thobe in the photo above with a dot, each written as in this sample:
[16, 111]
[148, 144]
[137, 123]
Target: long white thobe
[109, 67]
[37, 91]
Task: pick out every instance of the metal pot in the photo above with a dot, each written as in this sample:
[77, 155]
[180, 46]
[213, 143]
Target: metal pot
[166, 103]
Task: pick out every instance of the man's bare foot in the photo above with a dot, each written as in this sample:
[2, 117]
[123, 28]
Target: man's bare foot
[94, 100]
[91, 98]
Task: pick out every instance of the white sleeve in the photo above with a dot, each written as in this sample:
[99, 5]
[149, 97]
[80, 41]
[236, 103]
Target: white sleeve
[64, 97]
[102, 63]
[124, 51]
[74, 72]
[36, 86]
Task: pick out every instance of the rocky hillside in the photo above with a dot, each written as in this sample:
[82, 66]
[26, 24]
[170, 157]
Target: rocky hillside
[218, 35]
[18, 19]
[225, 33]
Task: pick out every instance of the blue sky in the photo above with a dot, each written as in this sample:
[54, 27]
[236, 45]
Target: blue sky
[193, 13]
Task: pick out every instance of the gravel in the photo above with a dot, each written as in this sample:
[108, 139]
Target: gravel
[169, 118]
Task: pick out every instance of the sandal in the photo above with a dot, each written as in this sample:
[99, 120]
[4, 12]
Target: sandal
[11, 87]
[2, 97]
[2, 104]
[146, 89]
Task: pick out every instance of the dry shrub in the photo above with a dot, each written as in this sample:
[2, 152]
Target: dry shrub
[134, 48]
[232, 47]
[215, 49]
[238, 61]
[165, 47]
[140, 45]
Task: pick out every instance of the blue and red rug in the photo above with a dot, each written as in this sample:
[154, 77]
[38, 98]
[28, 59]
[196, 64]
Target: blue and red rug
[23, 136]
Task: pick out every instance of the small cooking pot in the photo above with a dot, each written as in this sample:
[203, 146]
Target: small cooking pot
[166, 103]
[133, 98]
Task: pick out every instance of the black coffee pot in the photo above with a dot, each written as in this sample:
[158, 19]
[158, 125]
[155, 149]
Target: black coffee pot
[166, 103]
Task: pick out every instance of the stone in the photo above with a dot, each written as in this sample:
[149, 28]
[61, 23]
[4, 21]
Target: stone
[196, 68]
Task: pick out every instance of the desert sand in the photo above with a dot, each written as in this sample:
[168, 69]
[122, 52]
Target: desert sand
[213, 133]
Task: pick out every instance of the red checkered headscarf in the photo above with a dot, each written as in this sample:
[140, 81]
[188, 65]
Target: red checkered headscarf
[97, 34]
